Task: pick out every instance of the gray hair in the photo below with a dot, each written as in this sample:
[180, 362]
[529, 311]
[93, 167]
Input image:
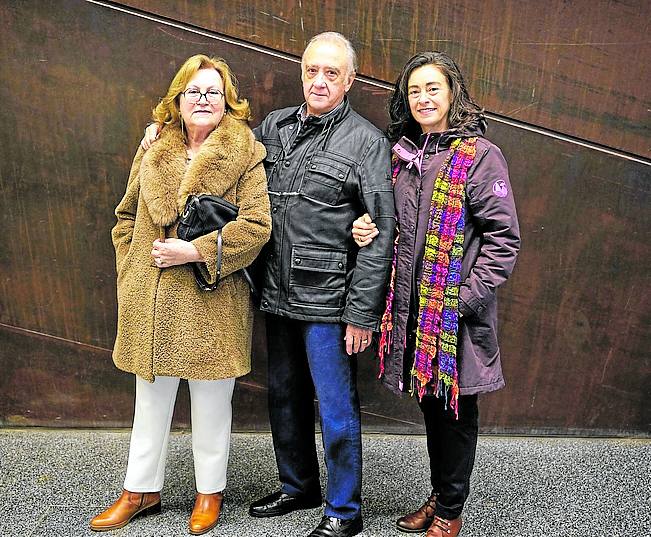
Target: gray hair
[335, 37]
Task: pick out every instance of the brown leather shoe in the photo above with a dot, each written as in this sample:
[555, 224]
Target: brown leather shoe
[444, 528]
[420, 519]
[205, 514]
[125, 508]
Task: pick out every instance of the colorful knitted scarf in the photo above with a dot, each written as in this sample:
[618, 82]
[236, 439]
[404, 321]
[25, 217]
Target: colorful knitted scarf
[435, 360]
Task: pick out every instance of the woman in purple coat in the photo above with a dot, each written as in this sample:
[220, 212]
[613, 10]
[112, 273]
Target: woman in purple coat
[456, 243]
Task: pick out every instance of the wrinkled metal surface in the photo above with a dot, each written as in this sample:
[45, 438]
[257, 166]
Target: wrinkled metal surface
[76, 92]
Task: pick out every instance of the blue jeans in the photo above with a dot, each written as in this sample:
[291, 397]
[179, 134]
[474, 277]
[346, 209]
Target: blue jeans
[305, 357]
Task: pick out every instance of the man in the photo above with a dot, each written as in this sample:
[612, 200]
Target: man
[323, 296]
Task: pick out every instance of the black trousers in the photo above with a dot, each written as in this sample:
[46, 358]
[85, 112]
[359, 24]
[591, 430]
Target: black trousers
[451, 445]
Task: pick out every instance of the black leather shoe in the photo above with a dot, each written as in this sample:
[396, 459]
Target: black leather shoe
[279, 503]
[336, 527]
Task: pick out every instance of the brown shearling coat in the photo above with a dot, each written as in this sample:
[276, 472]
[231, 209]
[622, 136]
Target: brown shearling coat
[166, 325]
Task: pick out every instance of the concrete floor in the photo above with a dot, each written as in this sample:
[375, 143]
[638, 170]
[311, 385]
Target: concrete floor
[53, 481]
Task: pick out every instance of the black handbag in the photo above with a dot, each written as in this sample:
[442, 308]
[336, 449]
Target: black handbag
[202, 215]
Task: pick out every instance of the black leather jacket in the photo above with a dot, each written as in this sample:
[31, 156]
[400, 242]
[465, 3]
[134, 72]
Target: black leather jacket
[322, 174]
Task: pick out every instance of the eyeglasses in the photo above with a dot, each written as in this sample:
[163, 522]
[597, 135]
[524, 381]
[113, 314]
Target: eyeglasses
[193, 96]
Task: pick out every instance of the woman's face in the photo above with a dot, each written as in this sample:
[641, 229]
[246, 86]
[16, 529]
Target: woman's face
[202, 101]
[429, 98]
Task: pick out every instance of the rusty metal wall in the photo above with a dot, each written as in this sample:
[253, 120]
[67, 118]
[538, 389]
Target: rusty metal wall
[78, 80]
[579, 67]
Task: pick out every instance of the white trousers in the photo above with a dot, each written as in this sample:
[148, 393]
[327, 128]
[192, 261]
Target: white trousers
[211, 415]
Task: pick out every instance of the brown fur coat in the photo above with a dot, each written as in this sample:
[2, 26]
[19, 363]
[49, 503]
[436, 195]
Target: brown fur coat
[166, 325]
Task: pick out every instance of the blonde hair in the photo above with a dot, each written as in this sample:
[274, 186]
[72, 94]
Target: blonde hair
[168, 112]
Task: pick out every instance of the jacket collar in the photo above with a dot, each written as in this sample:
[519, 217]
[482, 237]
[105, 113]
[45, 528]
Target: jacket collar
[409, 151]
[412, 153]
[166, 180]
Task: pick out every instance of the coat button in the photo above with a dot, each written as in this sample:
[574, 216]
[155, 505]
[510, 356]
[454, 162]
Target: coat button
[341, 176]
[265, 303]
[274, 210]
[291, 127]
[287, 164]
[426, 156]
[297, 260]
[340, 264]
[314, 166]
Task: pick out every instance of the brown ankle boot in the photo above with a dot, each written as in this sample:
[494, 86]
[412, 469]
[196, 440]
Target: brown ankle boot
[444, 528]
[126, 507]
[420, 519]
[205, 514]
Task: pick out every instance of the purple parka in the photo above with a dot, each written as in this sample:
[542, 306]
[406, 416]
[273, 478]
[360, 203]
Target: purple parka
[491, 244]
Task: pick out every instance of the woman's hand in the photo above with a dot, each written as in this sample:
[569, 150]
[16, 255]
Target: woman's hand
[151, 135]
[364, 231]
[171, 252]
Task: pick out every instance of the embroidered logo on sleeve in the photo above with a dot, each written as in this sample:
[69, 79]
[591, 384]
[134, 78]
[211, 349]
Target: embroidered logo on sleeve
[499, 188]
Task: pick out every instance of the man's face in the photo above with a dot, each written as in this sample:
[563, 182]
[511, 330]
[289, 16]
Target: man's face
[326, 77]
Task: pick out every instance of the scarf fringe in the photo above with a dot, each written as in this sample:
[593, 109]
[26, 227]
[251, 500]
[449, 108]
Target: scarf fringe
[445, 386]
[386, 326]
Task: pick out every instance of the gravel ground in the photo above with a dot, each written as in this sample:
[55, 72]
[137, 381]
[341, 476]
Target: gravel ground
[53, 481]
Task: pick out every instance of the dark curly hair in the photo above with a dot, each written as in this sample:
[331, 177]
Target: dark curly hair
[465, 115]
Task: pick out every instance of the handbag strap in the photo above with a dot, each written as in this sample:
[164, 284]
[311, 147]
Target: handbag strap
[219, 253]
[205, 286]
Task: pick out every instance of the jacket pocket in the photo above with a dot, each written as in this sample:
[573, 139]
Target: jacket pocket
[483, 338]
[274, 150]
[317, 276]
[124, 263]
[324, 178]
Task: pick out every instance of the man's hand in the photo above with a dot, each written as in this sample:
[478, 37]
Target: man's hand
[364, 231]
[357, 339]
[172, 252]
[151, 135]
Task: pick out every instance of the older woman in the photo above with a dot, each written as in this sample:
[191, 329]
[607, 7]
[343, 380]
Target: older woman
[457, 243]
[168, 328]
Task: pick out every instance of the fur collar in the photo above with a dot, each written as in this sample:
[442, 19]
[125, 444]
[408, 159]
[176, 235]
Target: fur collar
[166, 181]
